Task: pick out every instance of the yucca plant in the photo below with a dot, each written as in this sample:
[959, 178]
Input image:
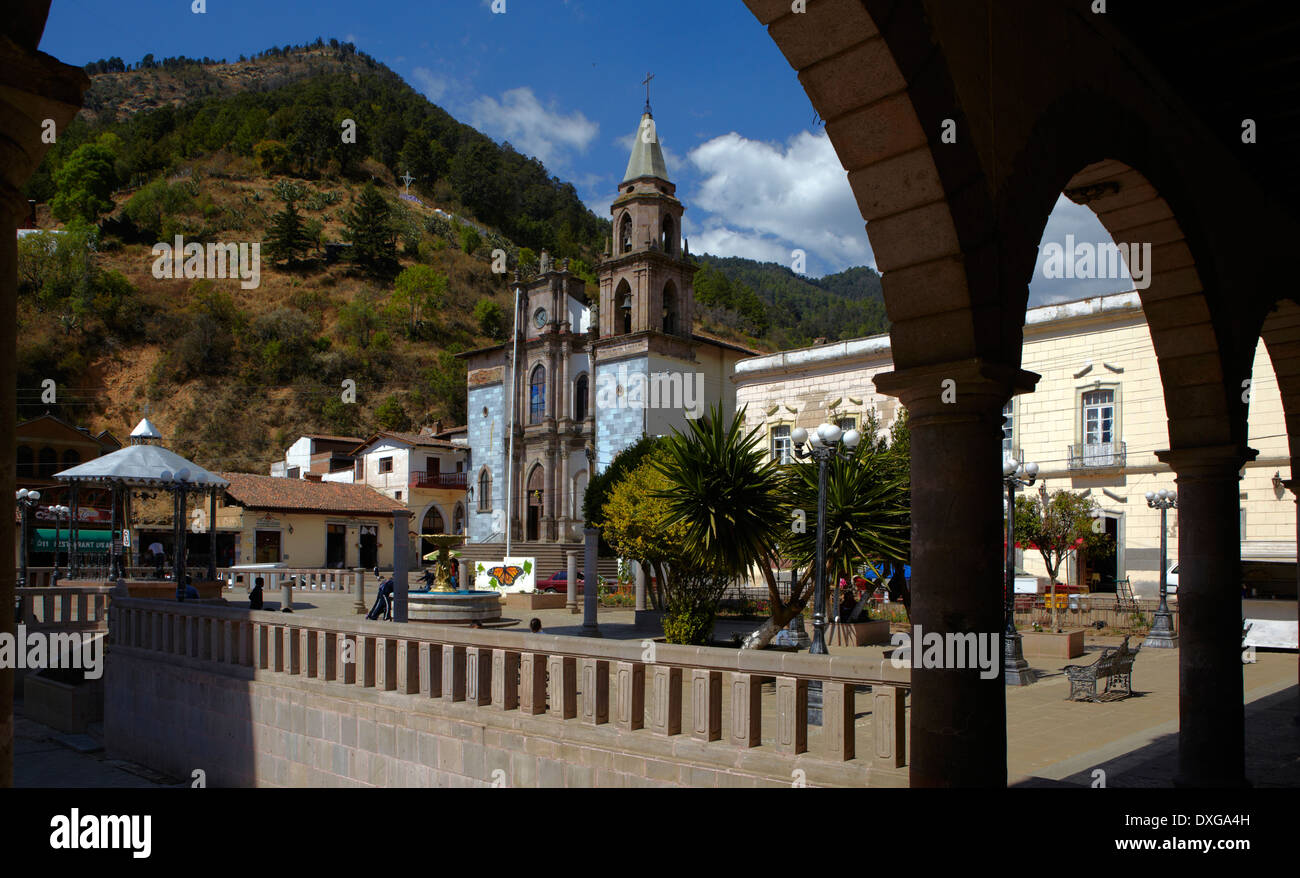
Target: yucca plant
[730, 498]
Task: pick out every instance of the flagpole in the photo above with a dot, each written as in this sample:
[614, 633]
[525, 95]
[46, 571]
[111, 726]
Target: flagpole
[514, 395]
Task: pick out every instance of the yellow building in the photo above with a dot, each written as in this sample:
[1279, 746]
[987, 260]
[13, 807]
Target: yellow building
[1094, 423]
[304, 523]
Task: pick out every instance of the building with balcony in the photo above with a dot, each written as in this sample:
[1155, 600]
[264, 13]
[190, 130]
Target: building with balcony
[1093, 424]
[425, 471]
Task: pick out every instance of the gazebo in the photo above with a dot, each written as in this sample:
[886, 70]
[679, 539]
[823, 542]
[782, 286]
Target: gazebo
[146, 466]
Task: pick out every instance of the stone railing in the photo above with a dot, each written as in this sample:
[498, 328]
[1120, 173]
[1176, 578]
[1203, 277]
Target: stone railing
[64, 608]
[508, 672]
[308, 578]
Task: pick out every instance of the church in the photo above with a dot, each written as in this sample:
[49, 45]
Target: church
[568, 391]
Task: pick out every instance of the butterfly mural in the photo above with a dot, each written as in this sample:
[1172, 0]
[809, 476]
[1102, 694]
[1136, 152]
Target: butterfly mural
[511, 575]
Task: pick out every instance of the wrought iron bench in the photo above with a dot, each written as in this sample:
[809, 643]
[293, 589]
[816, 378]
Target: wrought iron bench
[1115, 666]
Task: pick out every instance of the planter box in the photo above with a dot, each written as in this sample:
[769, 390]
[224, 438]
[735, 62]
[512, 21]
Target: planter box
[65, 706]
[1067, 645]
[536, 601]
[857, 633]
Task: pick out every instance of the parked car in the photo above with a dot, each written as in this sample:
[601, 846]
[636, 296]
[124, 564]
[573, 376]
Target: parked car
[559, 582]
[1171, 578]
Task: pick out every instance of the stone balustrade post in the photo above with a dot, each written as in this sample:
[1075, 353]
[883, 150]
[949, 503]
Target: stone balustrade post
[666, 698]
[563, 695]
[791, 715]
[453, 672]
[532, 679]
[595, 690]
[478, 681]
[630, 695]
[505, 679]
[706, 704]
[430, 656]
[746, 714]
[889, 719]
[838, 737]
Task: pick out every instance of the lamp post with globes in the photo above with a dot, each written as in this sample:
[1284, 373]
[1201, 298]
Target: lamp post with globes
[823, 446]
[1162, 634]
[59, 512]
[26, 501]
[1016, 669]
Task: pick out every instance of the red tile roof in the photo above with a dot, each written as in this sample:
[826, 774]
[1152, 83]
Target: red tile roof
[298, 495]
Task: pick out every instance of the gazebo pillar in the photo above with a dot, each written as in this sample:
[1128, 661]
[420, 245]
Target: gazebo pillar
[212, 534]
[74, 562]
[112, 534]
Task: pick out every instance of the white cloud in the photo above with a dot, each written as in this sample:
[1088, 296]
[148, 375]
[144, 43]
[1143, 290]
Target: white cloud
[533, 129]
[1068, 218]
[432, 85]
[770, 199]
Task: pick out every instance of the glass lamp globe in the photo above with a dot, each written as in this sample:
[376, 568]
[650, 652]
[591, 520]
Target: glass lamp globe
[33, 495]
[815, 440]
[1008, 468]
[829, 433]
[799, 435]
[1151, 495]
[852, 438]
[1031, 469]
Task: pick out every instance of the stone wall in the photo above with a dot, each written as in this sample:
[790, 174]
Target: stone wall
[222, 691]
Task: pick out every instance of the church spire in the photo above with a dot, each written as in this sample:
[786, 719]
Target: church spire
[647, 158]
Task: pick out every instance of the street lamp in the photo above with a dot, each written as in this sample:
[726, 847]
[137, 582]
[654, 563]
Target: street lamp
[1162, 634]
[59, 512]
[1016, 670]
[26, 501]
[828, 443]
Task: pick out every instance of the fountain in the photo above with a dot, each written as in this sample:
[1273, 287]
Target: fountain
[446, 604]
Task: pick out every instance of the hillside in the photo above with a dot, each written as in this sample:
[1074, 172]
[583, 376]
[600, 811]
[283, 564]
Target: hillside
[251, 152]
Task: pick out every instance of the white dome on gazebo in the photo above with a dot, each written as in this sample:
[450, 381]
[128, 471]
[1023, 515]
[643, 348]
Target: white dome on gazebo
[142, 466]
[145, 432]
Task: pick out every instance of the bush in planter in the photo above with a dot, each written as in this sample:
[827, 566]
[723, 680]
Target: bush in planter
[687, 625]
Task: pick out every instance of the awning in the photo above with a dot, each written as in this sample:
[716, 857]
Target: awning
[87, 540]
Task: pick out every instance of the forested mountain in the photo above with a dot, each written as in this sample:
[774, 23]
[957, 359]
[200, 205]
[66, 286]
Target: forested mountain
[359, 287]
[786, 309]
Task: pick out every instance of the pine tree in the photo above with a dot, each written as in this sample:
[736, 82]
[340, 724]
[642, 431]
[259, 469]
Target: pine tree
[370, 225]
[287, 238]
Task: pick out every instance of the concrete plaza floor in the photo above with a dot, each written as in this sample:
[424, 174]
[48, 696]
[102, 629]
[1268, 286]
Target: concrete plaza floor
[1050, 741]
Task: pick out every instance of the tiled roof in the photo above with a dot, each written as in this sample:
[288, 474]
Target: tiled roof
[299, 495]
[421, 439]
[325, 437]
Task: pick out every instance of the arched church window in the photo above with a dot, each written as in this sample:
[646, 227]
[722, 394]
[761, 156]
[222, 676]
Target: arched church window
[484, 491]
[48, 462]
[670, 309]
[580, 388]
[537, 396]
[26, 462]
[625, 234]
[669, 244]
[624, 317]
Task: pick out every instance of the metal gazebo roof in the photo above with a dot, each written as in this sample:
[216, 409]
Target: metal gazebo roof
[142, 465]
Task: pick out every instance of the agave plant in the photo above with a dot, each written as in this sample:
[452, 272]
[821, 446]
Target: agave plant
[867, 512]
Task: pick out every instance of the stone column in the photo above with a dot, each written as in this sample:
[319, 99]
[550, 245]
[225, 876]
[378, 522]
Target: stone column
[1293, 485]
[959, 734]
[212, 534]
[640, 585]
[591, 585]
[400, 586]
[571, 574]
[1211, 689]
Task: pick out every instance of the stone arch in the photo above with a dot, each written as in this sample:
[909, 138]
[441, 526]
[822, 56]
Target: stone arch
[668, 236]
[886, 96]
[623, 305]
[1281, 335]
[484, 482]
[625, 233]
[1096, 151]
[672, 304]
[537, 394]
[581, 397]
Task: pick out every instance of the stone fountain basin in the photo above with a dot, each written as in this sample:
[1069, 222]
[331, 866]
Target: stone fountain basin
[453, 606]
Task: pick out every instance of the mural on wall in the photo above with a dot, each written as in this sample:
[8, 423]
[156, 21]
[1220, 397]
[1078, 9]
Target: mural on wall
[511, 576]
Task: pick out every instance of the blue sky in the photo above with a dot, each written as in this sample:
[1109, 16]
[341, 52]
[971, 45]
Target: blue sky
[561, 80]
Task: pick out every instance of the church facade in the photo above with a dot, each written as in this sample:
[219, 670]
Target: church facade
[591, 378]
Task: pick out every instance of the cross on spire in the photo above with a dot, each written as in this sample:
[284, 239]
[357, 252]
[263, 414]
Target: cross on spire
[646, 82]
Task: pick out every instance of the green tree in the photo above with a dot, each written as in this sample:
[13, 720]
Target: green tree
[1055, 528]
[391, 415]
[730, 496]
[273, 156]
[287, 238]
[359, 319]
[490, 317]
[470, 239]
[419, 291]
[84, 184]
[370, 226]
[639, 524]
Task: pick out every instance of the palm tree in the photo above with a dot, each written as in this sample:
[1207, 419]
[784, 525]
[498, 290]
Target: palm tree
[730, 498]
